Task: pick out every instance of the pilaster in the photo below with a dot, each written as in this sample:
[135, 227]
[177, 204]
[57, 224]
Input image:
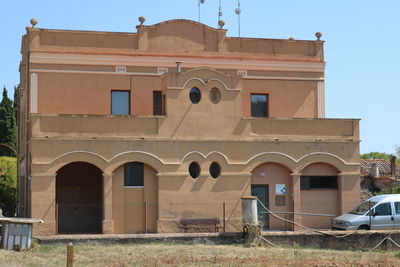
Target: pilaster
[108, 223]
[296, 200]
[349, 191]
[43, 201]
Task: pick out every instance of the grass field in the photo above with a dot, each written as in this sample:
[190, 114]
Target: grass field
[193, 255]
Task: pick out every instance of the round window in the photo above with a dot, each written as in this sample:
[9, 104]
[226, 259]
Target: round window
[194, 169]
[215, 95]
[195, 95]
[215, 170]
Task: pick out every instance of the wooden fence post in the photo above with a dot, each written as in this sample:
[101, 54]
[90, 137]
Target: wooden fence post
[70, 255]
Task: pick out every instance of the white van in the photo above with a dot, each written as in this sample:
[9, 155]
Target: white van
[377, 213]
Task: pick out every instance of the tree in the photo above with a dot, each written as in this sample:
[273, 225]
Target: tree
[8, 185]
[8, 125]
[380, 155]
[376, 155]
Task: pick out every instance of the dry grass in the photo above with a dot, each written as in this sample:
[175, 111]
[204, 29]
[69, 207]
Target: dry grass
[193, 255]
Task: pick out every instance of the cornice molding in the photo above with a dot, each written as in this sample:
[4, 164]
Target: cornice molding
[143, 60]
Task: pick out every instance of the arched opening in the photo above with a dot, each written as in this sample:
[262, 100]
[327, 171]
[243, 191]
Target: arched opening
[135, 198]
[272, 184]
[79, 199]
[319, 195]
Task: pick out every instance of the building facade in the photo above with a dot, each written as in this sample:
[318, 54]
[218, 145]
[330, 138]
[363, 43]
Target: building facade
[131, 132]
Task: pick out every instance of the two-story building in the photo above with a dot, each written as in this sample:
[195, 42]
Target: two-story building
[130, 132]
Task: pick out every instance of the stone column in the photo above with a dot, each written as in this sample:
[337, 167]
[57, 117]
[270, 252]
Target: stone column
[108, 223]
[296, 200]
[349, 190]
[43, 203]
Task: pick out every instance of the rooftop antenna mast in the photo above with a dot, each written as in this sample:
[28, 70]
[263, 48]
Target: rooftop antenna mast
[237, 12]
[200, 2]
[219, 12]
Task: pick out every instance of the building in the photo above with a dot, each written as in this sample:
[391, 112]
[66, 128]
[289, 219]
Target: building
[378, 174]
[130, 132]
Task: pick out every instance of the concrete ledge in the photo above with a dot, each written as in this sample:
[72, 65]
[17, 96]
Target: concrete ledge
[359, 240]
[181, 238]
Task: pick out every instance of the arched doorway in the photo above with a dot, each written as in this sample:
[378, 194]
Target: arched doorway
[79, 198]
[135, 198]
[272, 184]
[319, 195]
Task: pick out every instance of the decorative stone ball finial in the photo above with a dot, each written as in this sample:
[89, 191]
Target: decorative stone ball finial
[221, 24]
[318, 35]
[141, 20]
[34, 22]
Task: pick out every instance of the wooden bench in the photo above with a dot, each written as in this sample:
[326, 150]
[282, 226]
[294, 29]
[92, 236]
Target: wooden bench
[212, 223]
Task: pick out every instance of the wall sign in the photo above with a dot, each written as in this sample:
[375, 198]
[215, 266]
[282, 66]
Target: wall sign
[280, 189]
[280, 201]
[120, 69]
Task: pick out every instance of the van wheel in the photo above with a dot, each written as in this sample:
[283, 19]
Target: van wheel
[363, 227]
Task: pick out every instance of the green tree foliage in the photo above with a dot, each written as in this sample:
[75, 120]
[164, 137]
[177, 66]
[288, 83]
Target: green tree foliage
[8, 185]
[376, 155]
[8, 125]
[393, 188]
[380, 155]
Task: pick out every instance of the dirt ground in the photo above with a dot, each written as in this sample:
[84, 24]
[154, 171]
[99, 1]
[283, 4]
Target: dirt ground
[193, 255]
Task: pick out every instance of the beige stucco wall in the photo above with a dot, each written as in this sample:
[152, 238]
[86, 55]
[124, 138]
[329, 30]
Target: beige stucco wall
[66, 93]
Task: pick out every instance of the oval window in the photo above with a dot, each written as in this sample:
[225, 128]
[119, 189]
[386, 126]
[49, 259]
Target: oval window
[195, 95]
[194, 169]
[215, 170]
[215, 95]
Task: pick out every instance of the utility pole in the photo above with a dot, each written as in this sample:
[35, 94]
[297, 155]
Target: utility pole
[219, 12]
[237, 12]
[199, 4]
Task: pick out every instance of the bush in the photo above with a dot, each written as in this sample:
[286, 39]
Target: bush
[8, 185]
[393, 188]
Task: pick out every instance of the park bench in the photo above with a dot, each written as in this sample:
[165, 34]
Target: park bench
[212, 223]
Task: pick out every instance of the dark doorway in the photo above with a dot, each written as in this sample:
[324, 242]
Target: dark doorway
[261, 192]
[79, 199]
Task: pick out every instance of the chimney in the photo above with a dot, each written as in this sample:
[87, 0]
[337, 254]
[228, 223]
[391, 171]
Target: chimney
[374, 170]
[393, 166]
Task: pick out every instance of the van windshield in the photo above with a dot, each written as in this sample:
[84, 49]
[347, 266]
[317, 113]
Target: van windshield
[363, 207]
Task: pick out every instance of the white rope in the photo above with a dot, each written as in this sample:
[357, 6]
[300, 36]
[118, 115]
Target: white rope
[302, 226]
[269, 242]
[389, 238]
[379, 244]
[386, 238]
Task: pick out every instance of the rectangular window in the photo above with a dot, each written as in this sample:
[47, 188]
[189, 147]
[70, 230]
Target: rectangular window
[120, 102]
[397, 207]
[318, 182]
[158, 103]
[133, 174]
[259, 105]
[383, 209]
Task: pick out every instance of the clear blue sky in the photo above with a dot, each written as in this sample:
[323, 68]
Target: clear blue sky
[362, 47]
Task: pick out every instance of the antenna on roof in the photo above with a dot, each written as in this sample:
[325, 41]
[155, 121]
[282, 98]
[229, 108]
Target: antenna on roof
[200, 2]
[237, 12]
[219, 12]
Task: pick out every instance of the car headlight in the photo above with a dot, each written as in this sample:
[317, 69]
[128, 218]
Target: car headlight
[342, 223]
